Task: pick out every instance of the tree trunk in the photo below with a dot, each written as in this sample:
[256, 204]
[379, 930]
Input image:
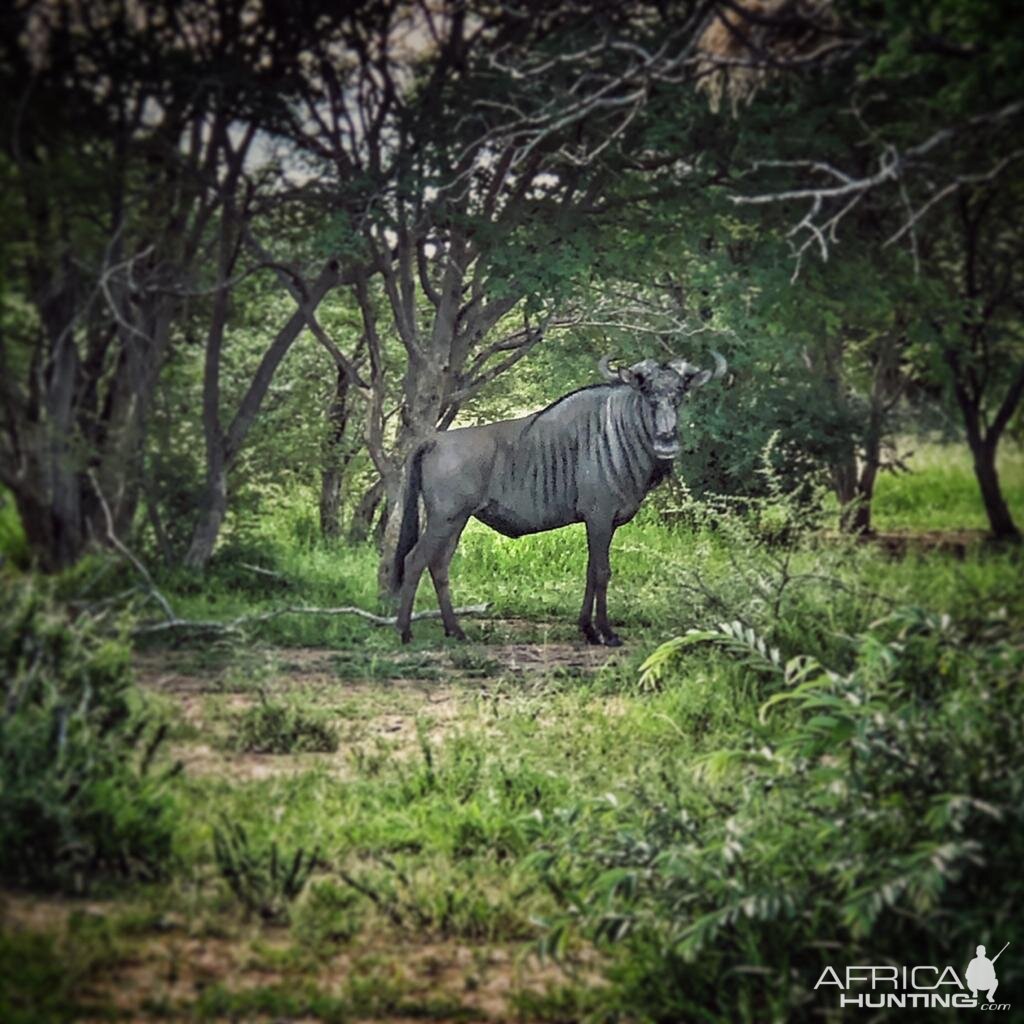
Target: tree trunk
[859, 475]
[335, 460]
[844, 486]
[392, 525]
[827, 362]
[1000, 521]
[984, 444]
[855, 514]
[223, 446]
[213, 506]
[211, 517]
[330, 501]
[425, 389]
[362, 518]
[860, 512]
[53, 527]
[382, 519]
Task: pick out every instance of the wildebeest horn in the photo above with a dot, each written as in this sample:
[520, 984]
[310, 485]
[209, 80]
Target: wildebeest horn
[682, 367]
[606, 371]
[685, 369]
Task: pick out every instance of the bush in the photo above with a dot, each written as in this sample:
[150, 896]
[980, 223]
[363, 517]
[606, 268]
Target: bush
[328, 917]
[877, 809]
[78, 799]
[266, 881]
[283, 727]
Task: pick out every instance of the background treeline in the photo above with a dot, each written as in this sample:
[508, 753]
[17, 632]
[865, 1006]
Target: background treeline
[251, 251]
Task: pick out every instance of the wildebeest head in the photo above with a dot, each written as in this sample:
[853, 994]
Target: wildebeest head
[663, 386]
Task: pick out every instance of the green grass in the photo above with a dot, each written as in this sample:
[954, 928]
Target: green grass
[540, 578]
[941, 493]
[683, 852]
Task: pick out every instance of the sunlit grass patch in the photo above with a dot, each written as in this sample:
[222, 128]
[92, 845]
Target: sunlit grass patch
[940, 491]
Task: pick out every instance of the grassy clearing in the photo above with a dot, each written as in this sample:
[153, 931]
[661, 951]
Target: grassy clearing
[683, 845]
[941, 493]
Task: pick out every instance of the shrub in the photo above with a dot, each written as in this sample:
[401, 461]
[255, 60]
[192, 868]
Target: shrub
[79, 800]
[283, 727]
[328, 917]
[877, 810]
[266, 881]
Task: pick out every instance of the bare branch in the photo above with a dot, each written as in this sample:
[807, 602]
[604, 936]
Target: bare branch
[124, 551]
[818, 228]
[237, 625]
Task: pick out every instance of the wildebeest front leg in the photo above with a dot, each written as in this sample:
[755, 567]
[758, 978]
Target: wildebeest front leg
[439, 574]
[586, 612]
[599, 539]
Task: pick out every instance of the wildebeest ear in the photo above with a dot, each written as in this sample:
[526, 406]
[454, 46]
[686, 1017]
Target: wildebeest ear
[639, 372]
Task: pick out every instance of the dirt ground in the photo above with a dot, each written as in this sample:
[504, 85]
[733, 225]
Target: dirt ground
[375, 715]
[169, 968]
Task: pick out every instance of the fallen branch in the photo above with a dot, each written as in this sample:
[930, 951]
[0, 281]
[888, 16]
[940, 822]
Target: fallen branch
[269, 573]
[237, 624]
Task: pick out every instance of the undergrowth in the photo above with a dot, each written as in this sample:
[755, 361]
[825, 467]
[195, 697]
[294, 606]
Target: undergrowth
[808, 754]
[82, 800]
[282, 726]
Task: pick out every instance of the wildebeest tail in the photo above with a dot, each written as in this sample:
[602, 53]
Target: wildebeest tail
[409, 532]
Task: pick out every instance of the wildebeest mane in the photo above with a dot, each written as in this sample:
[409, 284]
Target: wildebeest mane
[572, 394]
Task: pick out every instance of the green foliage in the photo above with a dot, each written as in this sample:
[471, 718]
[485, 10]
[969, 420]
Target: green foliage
[799, 778]
[279, 726]
[875, 808]
[329, 916]
[34, 980]
[13, 545]
[265, 880]
[81, 800]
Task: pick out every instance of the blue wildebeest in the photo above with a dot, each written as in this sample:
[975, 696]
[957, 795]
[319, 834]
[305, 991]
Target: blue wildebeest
[590, 457]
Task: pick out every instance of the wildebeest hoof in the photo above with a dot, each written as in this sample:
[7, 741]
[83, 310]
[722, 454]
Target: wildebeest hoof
[611, 640]
[406, 637]
[455, 634]
[591, 635]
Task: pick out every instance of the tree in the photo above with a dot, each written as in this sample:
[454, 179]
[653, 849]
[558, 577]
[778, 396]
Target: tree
[126, 149]
[467, 153]
[101, 217]
[932, 156]
[978, 325]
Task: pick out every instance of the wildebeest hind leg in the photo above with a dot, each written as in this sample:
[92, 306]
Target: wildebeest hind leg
[430, 545]
[586, 612]
[439, 574]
